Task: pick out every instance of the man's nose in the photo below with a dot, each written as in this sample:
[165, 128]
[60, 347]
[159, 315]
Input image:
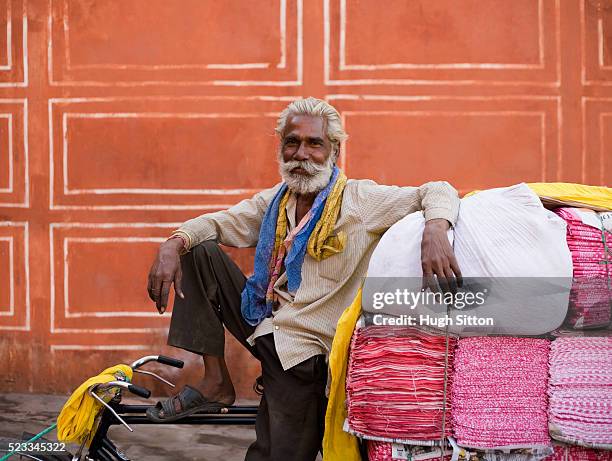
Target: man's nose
[300, 153]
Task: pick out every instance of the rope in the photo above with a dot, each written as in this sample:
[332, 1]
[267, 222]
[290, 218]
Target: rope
[606, 262]
[443, 439]
[36, 437]
[607, 250]
[446, 332]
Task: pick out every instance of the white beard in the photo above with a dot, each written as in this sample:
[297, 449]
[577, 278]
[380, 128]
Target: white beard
[317, 178]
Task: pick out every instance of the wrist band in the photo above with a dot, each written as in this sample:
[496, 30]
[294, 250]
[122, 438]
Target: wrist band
[183, 239]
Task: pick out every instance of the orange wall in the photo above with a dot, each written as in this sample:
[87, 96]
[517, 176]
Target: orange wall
[119, 120]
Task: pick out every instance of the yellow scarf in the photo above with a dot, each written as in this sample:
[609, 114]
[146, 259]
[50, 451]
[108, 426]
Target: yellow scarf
[321, 244]
[77, 418]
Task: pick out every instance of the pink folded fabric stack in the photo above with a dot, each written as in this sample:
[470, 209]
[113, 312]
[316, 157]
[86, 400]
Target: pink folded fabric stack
[580, 391]
[575, 453]
[395, 384]
[383, 451]
[499, 392]
[590, 299]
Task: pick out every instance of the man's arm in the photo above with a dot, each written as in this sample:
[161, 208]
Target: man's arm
[383, 206]
[237, 226]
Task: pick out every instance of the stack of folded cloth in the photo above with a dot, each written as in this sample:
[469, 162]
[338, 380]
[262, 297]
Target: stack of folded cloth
[575, 453]
[499, 392]
[590, 298]
[395, 385]
[580, 391]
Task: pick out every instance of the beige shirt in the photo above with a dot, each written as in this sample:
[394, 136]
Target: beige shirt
[305, 322]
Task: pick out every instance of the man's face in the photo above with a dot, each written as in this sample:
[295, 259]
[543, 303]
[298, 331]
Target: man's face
[305, 157]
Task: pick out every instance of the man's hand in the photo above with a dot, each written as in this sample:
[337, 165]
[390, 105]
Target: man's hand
[437, 257]
[166, 269]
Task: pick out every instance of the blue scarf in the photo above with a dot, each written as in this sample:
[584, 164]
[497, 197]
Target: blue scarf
[254, 306]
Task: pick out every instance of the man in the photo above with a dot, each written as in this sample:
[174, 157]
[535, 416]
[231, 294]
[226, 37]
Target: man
[314, 234]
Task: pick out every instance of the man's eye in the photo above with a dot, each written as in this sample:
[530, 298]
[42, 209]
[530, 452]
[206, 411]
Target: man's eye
[290, 142]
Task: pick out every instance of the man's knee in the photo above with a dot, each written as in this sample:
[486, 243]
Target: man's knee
[206, 248]
[208, 254]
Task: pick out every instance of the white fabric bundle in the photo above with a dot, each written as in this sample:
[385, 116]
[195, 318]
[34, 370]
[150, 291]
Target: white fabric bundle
[505, 239]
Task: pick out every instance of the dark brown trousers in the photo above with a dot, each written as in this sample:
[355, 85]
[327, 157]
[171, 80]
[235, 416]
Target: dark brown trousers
[291, 416]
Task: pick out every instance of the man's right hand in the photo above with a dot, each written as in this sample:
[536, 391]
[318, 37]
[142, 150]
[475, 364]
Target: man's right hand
[166, 269]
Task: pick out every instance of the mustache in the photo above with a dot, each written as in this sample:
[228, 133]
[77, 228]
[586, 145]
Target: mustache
[308, 166]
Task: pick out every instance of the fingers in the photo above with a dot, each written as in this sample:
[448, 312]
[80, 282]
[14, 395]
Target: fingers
[178, 289]
[156, 292]
[165, 270]
[163, 299]
[439, 270]
[150, 281]
[429, 280]
[450, 279]
[455, 268]
[154, 288]
[440, 275]
[434, 275]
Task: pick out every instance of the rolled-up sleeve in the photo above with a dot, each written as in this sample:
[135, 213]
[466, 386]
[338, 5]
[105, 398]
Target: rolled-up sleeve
[382, 206]
[237, 226]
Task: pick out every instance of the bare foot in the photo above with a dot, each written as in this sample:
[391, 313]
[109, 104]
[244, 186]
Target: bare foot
[216, 386]
[218, 391]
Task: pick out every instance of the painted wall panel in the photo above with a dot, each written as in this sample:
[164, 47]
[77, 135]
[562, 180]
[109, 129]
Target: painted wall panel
[175, 42]
[15, 300]
[120, 120]
[450, 42]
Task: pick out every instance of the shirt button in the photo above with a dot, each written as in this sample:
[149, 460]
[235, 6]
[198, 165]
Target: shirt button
[276, 327]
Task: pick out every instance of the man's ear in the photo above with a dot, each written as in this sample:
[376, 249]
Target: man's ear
[336, 154]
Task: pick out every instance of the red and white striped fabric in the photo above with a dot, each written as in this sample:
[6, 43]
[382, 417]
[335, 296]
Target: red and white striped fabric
[580, 391]
[590, 299]
[395, 384]
[575, 453]
[499, 392]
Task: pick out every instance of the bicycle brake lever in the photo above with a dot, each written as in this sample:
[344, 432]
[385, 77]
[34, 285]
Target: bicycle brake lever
[95, 396]
[150, 373]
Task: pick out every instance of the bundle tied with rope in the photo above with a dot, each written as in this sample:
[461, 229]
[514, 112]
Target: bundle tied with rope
[588, 238]
[339, 445]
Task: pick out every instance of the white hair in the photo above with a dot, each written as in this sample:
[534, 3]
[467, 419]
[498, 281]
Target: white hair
[317, 108]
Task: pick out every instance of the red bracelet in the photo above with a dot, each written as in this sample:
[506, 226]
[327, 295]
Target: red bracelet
[179, 236]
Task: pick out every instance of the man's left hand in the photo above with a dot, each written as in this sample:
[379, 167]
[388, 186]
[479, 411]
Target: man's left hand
[438, 258]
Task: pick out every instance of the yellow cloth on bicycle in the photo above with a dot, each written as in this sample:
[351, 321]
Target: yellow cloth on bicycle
[76, 420]
[337, 444]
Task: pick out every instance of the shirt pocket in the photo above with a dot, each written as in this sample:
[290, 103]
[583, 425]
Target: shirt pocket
[335, 267]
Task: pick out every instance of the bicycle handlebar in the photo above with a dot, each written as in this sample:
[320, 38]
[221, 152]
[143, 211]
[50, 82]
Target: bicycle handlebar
[133, 388]
[140, 391]
[157, 358]
[170, 361]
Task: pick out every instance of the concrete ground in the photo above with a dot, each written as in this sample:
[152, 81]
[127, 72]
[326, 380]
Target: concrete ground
[33, 413]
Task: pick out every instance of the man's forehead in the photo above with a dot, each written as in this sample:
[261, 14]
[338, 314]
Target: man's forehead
[305, 125]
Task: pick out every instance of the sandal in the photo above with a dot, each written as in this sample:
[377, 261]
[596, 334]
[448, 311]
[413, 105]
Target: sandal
[191, 401]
